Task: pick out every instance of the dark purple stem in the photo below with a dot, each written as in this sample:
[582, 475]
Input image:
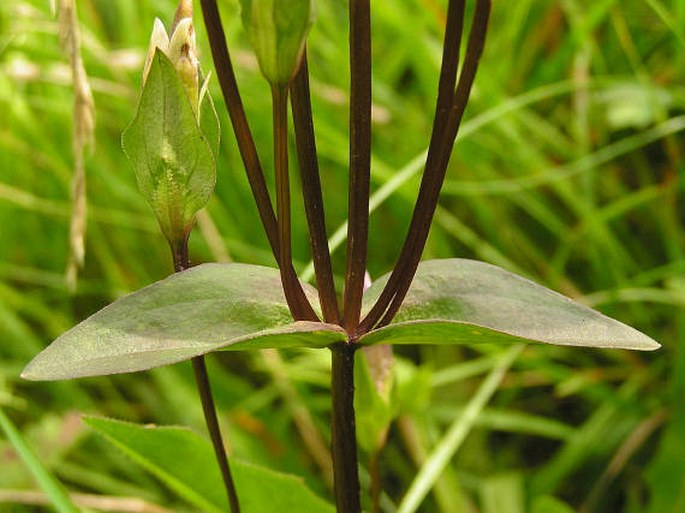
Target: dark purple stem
[343, 430]
[181, 263]
[311, 192]
[297, 300]
[360, 160]
[444, 133]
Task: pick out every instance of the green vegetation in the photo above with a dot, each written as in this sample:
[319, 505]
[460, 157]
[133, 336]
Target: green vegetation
[567, 170]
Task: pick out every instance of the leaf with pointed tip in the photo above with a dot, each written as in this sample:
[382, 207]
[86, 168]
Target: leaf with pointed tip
[207, 308]
[191, 470]
[464, 301]
[173, 160]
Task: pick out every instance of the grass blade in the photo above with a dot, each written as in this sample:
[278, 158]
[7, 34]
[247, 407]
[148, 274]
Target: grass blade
[50, 485]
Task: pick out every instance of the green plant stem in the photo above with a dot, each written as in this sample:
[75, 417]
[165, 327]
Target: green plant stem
[360, 160]
[181, 263]
[299, 306]
[343, 430]
[439, 152]
[279, 97]
[311, 192]
[298, 302]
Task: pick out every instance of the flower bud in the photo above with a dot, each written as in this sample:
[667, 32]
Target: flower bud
[158, 39]
[277, 30]
[173, 141]
[181, 49]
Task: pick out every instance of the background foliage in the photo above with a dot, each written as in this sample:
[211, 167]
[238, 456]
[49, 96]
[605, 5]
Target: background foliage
[568, 170]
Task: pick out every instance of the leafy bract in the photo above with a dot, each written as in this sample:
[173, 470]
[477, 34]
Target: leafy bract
[173, 160]
[203, 309]
[192, 472]
[464, 301]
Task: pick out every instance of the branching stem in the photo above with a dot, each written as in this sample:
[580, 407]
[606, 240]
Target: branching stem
[453, 96]
[444, 134]
[297, 301]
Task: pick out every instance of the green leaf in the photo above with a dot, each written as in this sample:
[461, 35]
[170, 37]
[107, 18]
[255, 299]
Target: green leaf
[412, 392]
[374, 411]
[191, 471]
[465, 301]
[203, 309]
[665, 473]
[173, 160]
[503, 493]
[549, 504]
[277, 30]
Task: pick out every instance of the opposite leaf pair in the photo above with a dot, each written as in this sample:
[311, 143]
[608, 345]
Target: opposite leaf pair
[216, 307]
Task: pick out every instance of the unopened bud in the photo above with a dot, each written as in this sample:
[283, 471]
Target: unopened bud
[278, 30]
[181, 49]
[173, 140]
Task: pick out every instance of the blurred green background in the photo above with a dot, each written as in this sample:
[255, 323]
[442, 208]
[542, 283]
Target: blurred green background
[568, 169]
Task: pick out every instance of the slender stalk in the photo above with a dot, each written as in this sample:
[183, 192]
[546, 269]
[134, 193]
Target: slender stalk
[311, 192]
[209, 410]
[360, 160]
[430, 201]
[297, 301]
[299, 305]
[343, 431]
[179, 253]
[236, 111]
[181, 263]
[445, 130]
[279, 97]
[446, 85]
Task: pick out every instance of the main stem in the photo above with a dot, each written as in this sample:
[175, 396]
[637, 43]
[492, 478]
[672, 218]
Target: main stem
[343, 431]
[181, 263]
